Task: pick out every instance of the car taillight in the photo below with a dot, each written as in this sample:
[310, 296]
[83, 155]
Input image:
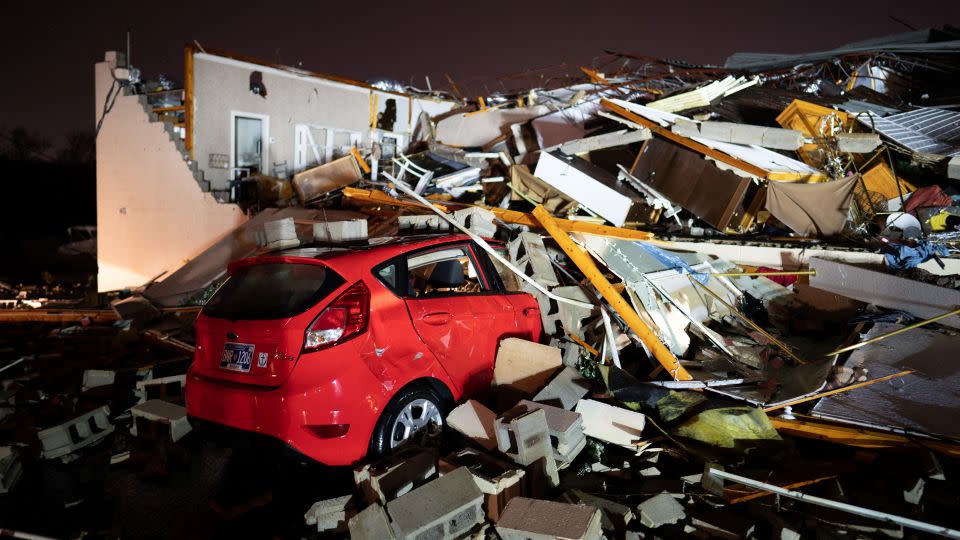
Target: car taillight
[344, 318]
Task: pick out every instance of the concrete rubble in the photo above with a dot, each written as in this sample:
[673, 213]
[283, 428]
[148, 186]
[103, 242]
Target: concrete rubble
[747, 275]
[448, 507]
[538, 519]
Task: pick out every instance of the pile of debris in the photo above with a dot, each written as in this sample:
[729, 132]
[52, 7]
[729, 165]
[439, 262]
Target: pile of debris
[728, 260]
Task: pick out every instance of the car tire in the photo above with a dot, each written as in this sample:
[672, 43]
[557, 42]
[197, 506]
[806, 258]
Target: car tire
[418, 399]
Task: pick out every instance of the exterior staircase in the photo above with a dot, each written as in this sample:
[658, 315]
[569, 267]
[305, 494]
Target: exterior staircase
[178, 142]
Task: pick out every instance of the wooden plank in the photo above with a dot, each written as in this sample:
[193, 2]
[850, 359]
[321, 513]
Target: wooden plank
[508, 216]
[56, 316]
[360, 161]
[73, 315]
[680, 139]
[586, 265]
[811, 428]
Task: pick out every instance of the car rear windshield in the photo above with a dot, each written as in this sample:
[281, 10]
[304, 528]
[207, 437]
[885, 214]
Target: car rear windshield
[272, 291]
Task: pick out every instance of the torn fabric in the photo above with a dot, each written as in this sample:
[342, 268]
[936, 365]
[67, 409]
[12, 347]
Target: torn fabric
[812, 209]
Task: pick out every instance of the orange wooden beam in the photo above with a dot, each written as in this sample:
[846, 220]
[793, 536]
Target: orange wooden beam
[684, 141]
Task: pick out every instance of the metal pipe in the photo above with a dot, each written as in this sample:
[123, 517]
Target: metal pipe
[838, 390]
[895, 332]
[774, 273]
[836, 505]
[782, 346]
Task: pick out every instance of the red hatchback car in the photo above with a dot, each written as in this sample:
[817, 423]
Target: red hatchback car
[344, 351]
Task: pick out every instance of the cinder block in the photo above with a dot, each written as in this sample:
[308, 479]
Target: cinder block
[857, 143]
[572, 316]
[10, 468]
[564, 390]
[611, 424]
[524, 365]
[165, 388]
[135, 308]
[747, 134]
[566, 430]
[280, 233]
[768, 137]
[529, 254]
[718, 131]
[499, 480]
[396, 474]
[330, 514]
[445, 508]
[721, 523]
[953, 168]
[686, 128]
[478, 220]
[549, 310]
[160, 412]
[782, 139]
[340, 231]
[613, 515]
[525, 438]
[475, 422]
[662, 509]
[371, 524]
[533, 519]
[70, 436]
[94, 378]
[431, 222]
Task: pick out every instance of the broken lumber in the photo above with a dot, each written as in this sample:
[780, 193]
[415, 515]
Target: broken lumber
[636, 324]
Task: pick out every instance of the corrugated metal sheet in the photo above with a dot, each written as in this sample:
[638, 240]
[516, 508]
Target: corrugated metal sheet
[928, 130]
[763, 61]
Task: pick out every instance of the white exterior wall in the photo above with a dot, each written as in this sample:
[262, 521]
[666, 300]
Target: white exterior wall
[151, 214]
[222, 88]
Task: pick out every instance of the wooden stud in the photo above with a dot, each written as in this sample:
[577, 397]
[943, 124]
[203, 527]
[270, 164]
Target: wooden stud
[586, 265]
[508, 216]
[684, 141]
[360, 161]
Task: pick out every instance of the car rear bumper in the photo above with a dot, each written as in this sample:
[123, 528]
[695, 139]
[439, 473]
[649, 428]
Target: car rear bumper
[293, 416]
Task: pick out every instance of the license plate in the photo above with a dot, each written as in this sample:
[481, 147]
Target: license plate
[236, 357]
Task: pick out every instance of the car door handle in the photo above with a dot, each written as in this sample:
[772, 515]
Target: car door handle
[437, 318]
[530, 311]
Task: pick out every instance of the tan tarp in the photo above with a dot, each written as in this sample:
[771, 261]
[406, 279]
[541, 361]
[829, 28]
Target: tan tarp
[812, 209]
[314, 182]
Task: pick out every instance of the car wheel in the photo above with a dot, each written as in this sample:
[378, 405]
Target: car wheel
[414, 412]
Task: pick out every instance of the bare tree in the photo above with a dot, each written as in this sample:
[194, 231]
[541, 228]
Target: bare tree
[19, 144]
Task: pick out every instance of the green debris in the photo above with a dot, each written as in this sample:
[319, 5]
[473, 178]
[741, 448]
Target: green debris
[729, 427]
[678, 405]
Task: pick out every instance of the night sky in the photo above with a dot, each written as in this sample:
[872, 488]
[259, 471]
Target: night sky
[49, 51]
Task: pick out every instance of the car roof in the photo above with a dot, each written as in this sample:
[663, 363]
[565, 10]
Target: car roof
[398, 244]
[379, 248]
